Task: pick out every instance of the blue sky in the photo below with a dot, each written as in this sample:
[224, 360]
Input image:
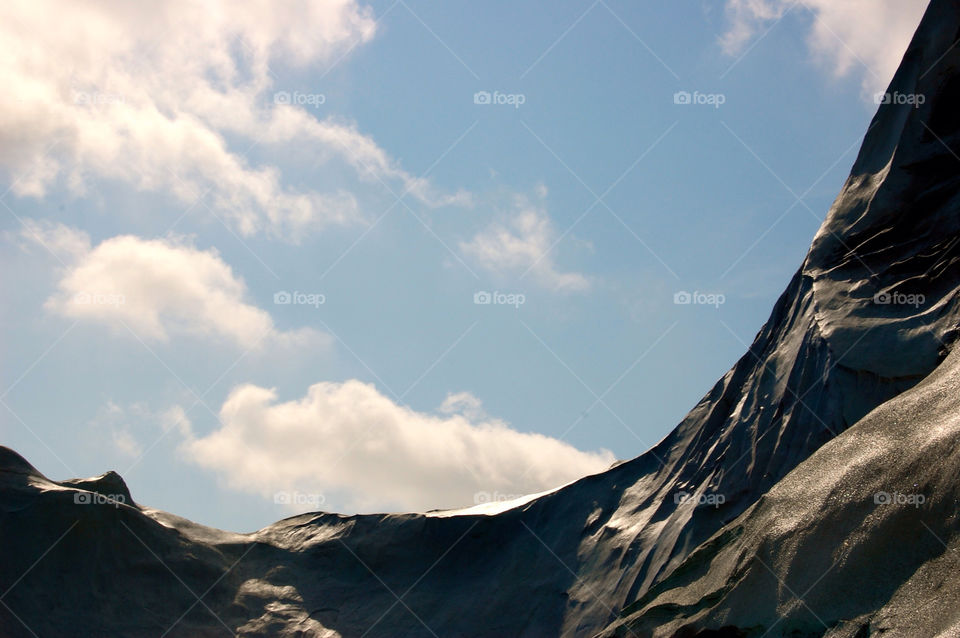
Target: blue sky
[172, 178]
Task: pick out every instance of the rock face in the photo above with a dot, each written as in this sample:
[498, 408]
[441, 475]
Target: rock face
[833, 402]
[859, 540]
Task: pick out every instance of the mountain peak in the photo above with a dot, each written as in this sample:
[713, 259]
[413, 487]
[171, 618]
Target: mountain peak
[909, 134]
[12, 462]
[109, 484]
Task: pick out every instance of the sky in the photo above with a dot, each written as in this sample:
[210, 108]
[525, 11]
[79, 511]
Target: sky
[266, 258]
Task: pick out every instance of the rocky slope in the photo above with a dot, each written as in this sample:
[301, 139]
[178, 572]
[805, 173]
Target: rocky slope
[662, 543]
[859, 540]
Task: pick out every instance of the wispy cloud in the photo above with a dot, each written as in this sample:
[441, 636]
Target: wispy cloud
[867, 37]
[523, 243]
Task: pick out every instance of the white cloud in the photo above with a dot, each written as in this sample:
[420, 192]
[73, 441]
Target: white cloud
[156, 287]
[350, 439]
[523, 243]
[125, 426]
[63, 242]
[864, 36]
[464, 403]
[113, 422]
[126, 444]
[148, 94]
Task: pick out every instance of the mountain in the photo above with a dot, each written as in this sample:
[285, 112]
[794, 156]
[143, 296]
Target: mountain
[765, 494]
[861, 539]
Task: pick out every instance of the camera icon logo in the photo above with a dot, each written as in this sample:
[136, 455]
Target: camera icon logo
[281, 97]
[282, 298]
[682, 97]
[282, 498]
[882, 498]
[682, 298]
[482, 298]
[882, 298]
[83, 498]
[482, 97]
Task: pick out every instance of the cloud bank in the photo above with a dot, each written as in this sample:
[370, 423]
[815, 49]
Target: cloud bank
[149, 94]
[348, 438]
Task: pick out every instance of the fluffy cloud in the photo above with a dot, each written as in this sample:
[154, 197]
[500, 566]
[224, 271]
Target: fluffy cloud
[845, 36]
[149, 94]
[522, 243]
[155, 287]
[350, 439]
